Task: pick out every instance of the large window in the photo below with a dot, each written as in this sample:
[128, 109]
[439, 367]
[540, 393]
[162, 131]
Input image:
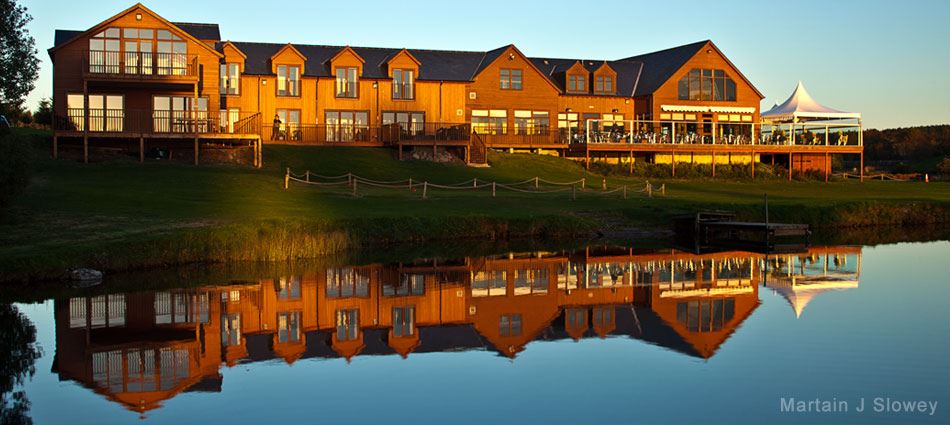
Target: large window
[347, 83]
[403, 84]
[347, 126]
[287, 125]
[404, 319]
[106, 112]
[288, 80]
[172, 56]
[493, 121]
[531, 122]
[705, 315]
[104, 52]
[707, 84]
[410, 123]
[489, 283]
[604, 85]
[179, 114]
[510, 79]
[138, 45]
[577, 83]
[230, 78]
[531, 281]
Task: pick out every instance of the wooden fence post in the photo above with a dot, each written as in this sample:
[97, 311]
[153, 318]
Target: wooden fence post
[475, 182]
[410, 184]
[649, 189]
[307, 176]
[603, 183]
[492, 189]
[663, 189]
[583, 182]
[535, 182]
[354, 188]
[287, 179]
[425, 189]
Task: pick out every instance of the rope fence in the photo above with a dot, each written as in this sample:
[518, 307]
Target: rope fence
[880, 176]
[534, 186]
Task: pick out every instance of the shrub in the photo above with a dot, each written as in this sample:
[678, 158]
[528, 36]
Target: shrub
[15, 166]
[944, 167]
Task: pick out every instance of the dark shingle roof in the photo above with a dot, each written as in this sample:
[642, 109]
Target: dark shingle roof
[444, 65]
[200, 31]
[628, 72]
[658, 67]
[63, 36]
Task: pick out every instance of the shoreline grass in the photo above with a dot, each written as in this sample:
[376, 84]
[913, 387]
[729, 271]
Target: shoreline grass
[121, 214]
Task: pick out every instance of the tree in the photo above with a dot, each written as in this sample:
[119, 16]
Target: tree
[18, 355]
[44, 113]
[19, 65]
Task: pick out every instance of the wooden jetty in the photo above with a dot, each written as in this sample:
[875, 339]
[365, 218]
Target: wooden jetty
[721, 229]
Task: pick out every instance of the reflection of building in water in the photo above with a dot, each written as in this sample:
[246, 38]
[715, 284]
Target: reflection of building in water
[799, 278]
[142, 348]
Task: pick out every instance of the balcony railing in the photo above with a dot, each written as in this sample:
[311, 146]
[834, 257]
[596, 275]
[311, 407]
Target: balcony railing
[141, 65]
[133, 122]
[389, 134]
[718, 133]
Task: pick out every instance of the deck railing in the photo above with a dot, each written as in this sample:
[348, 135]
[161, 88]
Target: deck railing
[719, 133]
[134, 122]
[389, 134]
[139, 64]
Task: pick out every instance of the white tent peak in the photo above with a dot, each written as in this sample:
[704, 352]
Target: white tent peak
[800, 106]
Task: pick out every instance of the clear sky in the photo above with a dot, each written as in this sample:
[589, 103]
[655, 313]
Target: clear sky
[889, 60]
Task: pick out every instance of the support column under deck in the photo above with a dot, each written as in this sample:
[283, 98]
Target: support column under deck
[141, 149]
[55, 146]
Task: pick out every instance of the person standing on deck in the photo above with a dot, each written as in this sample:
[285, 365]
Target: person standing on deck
[275, 133]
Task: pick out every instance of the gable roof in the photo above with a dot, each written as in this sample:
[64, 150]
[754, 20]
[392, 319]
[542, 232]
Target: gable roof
[660, 66]
[202, 30]
[492, 55]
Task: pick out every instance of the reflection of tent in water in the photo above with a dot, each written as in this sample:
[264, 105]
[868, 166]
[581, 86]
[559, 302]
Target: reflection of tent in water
[800, 279]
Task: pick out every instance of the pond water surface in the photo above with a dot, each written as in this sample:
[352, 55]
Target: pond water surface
[607, 334]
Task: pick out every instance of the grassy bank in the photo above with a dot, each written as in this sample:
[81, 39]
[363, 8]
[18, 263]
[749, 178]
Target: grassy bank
[121, 214]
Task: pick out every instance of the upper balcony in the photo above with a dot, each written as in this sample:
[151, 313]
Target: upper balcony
[140, 66]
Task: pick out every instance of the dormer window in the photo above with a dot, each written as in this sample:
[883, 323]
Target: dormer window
[604, 85]
[577, 84]
[346, 82]
[288, 80]
[403, 84]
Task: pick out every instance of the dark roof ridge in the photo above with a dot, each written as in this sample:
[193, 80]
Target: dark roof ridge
[361, 47]
[667, 49]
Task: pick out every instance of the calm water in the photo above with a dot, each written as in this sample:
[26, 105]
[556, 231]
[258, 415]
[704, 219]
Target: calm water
[604, 335]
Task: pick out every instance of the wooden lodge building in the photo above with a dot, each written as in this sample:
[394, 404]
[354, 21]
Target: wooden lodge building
[138, 82]
[141, 348]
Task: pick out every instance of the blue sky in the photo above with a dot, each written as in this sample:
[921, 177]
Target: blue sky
[888, 60]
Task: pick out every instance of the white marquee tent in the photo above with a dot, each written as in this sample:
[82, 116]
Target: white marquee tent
[801, 107]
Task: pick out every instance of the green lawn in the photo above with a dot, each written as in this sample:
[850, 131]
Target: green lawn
[74, 210]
